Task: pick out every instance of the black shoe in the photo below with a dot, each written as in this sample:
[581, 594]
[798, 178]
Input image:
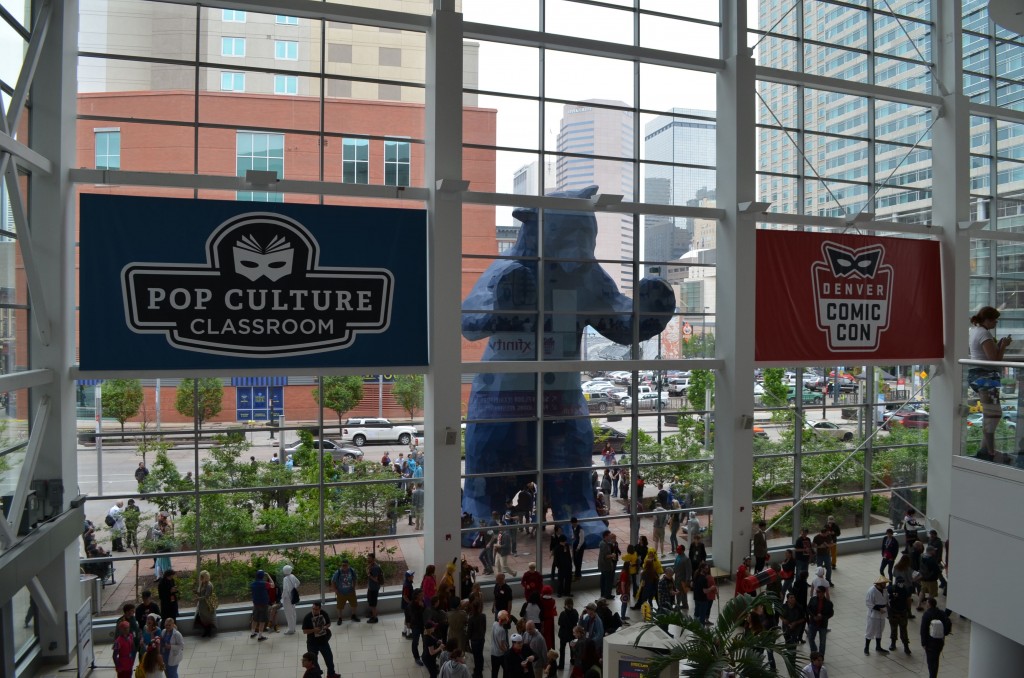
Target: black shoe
[906, 649]
[867, 652]
[880, 650]
[355, 618]
[419, 662]
[339, 621]
[892, 647]
[371, 620]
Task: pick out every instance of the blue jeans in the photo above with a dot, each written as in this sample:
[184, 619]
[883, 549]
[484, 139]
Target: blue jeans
[813, 631]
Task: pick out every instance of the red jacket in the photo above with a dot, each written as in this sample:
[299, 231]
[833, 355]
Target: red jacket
[124, 653]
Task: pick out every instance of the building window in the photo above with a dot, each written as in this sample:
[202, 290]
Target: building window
[232, 47]
[259, 151]
[286, 49]
[355, 161]
[231, 81]
[286, 84]
[287, 20]
[232, 16]
[396, 163]
[108, 149]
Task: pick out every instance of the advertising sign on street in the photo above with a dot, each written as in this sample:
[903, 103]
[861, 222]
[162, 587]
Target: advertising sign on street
[192, 284]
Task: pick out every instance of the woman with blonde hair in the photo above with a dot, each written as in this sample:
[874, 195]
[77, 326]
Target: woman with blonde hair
[206, 605]
[152, 663]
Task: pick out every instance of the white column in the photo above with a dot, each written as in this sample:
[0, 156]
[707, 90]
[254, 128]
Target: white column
[950, 204]
[444, 250]
[734, 309]
[992, 654]
[52, 210]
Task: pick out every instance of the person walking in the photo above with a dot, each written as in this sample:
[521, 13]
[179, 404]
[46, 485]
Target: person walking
[374, 580]
[899, 614]
[877, 603]
[206, 605]
[343, 582]
[500, 641]
[167, 590]
[260, 605]
[289, 597]
[890, 549]
[115, 521]
[476, 631]
[935, 626]
[316, 625]
[567, 622]
[816, 668]
[172, 647]
[607, 557]
[578, 546]
[819, 611]
[760, 546]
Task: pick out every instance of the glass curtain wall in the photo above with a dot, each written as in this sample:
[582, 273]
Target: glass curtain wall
[219, 92]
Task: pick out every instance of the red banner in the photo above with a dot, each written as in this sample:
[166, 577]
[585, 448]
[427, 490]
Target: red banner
[830, 298]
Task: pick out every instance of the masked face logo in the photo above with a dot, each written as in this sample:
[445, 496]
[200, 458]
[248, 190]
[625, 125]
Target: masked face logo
[254, 261]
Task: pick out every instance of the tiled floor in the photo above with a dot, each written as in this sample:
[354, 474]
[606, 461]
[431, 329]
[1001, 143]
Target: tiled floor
[367, 650]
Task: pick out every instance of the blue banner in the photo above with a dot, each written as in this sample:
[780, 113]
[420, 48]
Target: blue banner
[180, 284]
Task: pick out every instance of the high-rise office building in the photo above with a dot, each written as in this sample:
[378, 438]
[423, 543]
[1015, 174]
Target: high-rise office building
[591, 135]
[683, 139]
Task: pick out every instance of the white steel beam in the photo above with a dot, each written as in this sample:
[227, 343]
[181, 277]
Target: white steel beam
[37, 297]
[227, 183]
[581, 205]
[28, 467]
[315, 9]
[27, 379]
[860, 89]
[26, 155]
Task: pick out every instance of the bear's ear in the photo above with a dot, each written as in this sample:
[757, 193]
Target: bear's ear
[525, 214]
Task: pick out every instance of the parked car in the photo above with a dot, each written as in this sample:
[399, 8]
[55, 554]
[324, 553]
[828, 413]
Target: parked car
[603, 434]
[820, 384]
[908, 419]
[760, 433]
[808, 397]
[376, 430]
[338, 451]
[677, 386]
[599, 401]
[647, 401]
[827, 428]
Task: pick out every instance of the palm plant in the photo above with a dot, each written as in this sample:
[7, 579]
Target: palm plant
[727, 647]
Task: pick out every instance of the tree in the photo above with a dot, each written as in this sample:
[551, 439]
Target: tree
[122, 399]
[726, 647]
[701, 381]
[207, 406]
[408, 391]
[340, 394]
[775, 392]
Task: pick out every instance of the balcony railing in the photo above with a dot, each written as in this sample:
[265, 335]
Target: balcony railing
[992, 397]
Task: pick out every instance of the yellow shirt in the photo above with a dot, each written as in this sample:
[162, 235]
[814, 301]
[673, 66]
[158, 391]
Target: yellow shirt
[630, 559]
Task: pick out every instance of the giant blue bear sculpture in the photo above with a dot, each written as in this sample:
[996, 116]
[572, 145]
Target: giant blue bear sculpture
[502, 308]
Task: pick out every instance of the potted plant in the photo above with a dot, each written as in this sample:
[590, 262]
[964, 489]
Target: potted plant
[726, 647]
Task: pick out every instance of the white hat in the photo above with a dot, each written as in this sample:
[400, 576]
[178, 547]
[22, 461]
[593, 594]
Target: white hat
[516, 638]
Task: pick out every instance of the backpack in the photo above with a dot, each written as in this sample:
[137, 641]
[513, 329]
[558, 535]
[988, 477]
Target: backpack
[295, 596]
[109, 520]
[936, 629]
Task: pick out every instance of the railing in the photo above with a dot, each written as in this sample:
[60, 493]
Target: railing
[992, 397]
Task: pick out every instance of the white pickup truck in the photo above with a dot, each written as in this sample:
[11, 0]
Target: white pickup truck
[364, 430]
